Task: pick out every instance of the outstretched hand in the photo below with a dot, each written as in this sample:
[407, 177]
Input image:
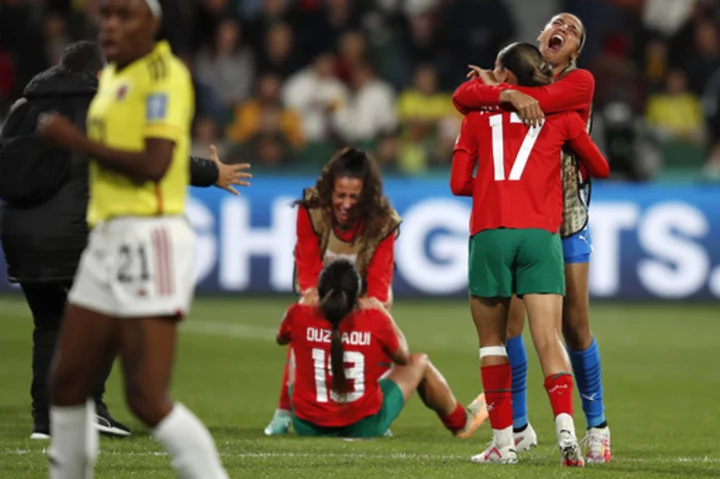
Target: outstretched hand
[230, 175]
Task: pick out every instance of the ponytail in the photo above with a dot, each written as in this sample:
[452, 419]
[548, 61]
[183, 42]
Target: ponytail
[335, 306]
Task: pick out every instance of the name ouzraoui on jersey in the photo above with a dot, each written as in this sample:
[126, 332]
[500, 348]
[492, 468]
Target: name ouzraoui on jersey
[355, 338]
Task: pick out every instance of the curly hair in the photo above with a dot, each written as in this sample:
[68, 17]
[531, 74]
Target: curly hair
[373, 208]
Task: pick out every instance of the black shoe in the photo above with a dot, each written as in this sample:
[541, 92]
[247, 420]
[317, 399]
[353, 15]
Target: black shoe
[40, 432]
[41, 425]
[107, 425]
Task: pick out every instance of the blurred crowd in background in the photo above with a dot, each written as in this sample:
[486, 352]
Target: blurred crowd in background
[283, 83]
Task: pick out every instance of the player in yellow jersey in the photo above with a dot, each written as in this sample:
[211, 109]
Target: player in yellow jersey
[135, 279]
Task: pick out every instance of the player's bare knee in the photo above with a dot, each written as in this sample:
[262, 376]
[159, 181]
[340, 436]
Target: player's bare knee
[67, 387]
[419, 360]
[150, 408]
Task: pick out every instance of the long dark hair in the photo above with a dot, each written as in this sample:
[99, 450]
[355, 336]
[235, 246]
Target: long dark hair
[339, 286]
[372, 208]
[527, 64]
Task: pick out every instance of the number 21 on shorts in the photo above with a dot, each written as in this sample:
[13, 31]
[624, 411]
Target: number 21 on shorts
[496, 124]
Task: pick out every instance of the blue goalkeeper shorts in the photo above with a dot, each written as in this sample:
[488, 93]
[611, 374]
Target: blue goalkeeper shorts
[577, 248]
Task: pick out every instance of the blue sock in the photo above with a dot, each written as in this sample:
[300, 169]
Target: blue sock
[587, 368]
[518, 362]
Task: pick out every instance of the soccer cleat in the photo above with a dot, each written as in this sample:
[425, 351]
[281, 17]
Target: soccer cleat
[597, 445]
[477, 414]
[40, 435]
[496, 455]
[525, 439]
[41, 426]
[106, 425]
[570, 453]
[280, 423]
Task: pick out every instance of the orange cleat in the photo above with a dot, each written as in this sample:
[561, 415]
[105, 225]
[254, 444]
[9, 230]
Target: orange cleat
[477, 414]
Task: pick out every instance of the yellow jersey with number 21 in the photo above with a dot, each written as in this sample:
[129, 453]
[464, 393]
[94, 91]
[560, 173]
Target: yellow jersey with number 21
[152, 97]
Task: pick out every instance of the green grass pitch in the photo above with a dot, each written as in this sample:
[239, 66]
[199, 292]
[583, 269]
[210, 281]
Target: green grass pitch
[661, 388]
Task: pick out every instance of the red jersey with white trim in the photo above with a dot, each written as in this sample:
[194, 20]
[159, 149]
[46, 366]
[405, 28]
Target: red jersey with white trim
[368, 339]
[518, 182]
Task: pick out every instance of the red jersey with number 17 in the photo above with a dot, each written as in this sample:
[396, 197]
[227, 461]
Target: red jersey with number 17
[518, 183]
[368, 339]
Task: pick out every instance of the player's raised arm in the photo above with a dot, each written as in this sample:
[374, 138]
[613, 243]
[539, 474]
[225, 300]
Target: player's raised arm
[464, 159]
[586, 149]
[574, 91]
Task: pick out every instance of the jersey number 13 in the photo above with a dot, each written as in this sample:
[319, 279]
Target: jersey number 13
[356, 374]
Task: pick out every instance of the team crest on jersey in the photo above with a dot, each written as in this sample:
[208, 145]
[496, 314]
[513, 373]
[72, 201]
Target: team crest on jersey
[122, 92]
[156, 106]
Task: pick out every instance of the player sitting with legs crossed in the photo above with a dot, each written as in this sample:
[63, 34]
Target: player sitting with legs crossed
[560, 42]
[337, 386]
[515, 246]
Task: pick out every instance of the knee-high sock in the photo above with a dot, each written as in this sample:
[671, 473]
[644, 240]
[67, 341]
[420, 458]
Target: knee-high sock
[193, 451]
[588, 376]
[74, 445]
[519, 364]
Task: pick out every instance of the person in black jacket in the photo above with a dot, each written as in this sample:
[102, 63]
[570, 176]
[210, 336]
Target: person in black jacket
[44, 193]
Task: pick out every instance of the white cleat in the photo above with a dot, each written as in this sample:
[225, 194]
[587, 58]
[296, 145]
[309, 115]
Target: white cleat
[597, 445]
[39, 436]
[496, 455]
[526, 439]
[280, 423]
[570, 454]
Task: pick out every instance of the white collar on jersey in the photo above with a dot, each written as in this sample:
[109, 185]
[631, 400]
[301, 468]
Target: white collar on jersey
[155, 8]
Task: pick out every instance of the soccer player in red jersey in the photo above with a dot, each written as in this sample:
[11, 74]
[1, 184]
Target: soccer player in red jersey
[338, 387]
[515, 248]
[345, 215]
[560, 42]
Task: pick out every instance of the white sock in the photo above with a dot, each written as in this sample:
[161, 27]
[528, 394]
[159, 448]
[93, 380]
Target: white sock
[564, 422]
[190, 445]
[503, 437]
[74, 446]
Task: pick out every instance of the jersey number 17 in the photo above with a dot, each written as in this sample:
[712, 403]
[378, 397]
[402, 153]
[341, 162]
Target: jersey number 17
[498, 148]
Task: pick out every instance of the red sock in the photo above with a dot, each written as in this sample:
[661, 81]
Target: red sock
[560, 391]
[456, 420]
[284, 402]
[497, 384]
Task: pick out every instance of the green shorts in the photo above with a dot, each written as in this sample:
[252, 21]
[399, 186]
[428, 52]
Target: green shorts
[371, 426]
[503, 262]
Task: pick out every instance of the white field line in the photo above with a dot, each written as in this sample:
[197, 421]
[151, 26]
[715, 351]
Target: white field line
[361, 456]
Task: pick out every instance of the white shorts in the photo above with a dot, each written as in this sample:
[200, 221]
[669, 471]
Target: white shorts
[137, 267]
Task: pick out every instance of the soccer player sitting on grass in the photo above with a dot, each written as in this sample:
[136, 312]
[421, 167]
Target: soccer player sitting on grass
[345, 215]
[337, 385]
[560, 42]
[515, 247]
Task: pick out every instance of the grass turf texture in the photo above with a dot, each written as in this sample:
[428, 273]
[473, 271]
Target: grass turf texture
[660, 378]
